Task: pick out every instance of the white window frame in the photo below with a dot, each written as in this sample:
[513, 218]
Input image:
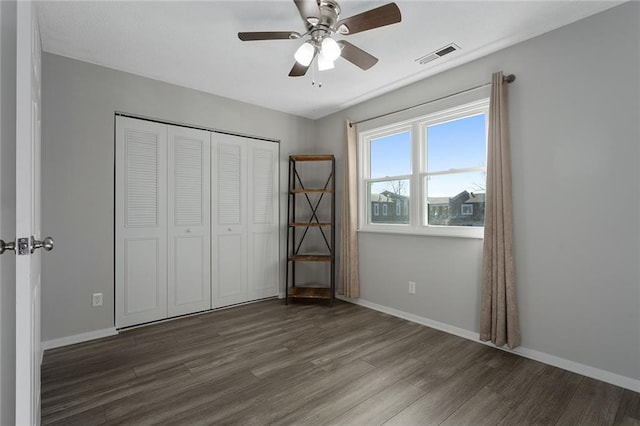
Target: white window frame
[418, 208]
[466, 209]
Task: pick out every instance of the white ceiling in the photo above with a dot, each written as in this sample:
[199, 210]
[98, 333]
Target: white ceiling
[195, 44]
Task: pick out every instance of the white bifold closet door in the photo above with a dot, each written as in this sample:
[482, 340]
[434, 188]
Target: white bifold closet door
[263, 254]
[189, 227]
[245, 219]
[141, 221]
[162, 221]
[229, 214]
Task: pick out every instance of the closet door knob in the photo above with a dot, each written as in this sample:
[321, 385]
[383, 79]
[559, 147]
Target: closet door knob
[11, 245]
[46, 244]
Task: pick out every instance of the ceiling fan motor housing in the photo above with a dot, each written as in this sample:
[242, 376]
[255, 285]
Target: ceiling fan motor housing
[324, 25]
[329, 13]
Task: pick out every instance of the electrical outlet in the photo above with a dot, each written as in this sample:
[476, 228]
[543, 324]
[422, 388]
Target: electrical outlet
[412, 287]
[96, 299]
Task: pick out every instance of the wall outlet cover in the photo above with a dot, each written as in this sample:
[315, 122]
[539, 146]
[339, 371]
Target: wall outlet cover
[96, 299]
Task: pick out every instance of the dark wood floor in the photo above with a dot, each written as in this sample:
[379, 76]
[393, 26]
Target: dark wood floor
[268, 363]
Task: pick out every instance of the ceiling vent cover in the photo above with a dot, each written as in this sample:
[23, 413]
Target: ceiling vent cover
[438, 53]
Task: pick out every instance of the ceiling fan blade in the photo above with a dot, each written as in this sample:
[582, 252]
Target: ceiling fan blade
[267, 35]
[298, 70]
[357, 56]
[307, 9]
[374, 18]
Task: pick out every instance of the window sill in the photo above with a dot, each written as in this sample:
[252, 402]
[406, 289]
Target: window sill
[476, 233]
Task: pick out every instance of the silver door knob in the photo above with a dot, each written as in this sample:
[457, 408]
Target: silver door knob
[46, 244]
[11, 245]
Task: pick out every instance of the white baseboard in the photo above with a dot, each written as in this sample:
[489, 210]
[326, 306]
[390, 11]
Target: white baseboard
[78, 338]
[565, 364]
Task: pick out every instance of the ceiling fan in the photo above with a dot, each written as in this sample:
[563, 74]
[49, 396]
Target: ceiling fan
[322, 19]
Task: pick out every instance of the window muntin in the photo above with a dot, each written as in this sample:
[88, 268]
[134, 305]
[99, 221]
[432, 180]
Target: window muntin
[440, 162]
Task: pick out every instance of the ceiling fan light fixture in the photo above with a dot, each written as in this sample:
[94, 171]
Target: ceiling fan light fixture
[324, 63]
[330, 49]
[304, 54]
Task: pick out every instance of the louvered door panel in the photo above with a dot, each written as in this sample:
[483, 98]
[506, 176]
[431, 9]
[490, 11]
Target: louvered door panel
[141, 220]
[228, 182]
[229, 195]
[263, 256]
[189, 284]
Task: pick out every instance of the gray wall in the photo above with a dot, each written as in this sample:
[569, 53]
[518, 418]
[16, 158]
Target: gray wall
[79, 101]
[575, 133]
[7, 210]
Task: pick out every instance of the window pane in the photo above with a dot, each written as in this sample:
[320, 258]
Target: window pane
[456, 199]
[391, 155]
[389, 201]
[456, 144]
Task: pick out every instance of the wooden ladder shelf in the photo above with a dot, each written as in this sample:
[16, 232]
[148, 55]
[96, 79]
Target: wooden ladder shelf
[311, 222]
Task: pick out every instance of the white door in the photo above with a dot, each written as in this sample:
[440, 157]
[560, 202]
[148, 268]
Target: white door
[189, 230]
[7, 210]
[28, 354]
[229, 220]
[141, 221]
[263, 255]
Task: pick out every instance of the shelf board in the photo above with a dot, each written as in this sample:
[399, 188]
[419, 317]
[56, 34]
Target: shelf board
[311, 191]
[310, 258]
[303, 224]
[309, 293]
[312, 157]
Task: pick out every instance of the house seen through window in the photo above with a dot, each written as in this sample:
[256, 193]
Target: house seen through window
[426, 174]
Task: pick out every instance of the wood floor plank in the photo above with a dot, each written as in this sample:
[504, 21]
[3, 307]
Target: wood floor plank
[484, 408]
[346, 397]
[267, 363]
[594, 402]
[439, 403]
[95, 416]
[380, 407]
[629, 408]
[546, 399]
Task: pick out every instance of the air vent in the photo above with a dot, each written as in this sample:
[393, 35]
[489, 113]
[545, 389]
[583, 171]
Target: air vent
[438, 53]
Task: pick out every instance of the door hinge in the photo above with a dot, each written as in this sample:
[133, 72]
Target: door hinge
[23, 246]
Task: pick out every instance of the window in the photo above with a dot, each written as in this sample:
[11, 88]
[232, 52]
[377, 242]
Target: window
[437, 161]
[376, 209]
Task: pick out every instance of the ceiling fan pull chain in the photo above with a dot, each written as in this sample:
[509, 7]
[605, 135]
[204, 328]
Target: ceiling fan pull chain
[313, 74]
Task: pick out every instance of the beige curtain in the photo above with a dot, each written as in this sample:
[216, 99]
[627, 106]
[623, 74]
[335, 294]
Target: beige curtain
[499, 316]
[349, 276]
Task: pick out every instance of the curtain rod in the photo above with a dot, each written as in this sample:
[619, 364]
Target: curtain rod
[506, 79]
